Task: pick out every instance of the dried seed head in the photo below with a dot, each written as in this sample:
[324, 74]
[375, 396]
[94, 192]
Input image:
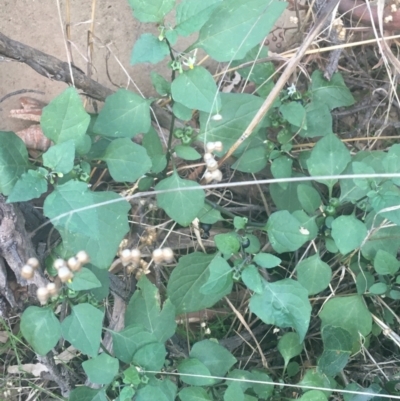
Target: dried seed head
[52, 289]
[158, 256]
[27, 272]
[208, 156]
[74, 264]
[212, 165]
[43, 295]
[208, 177]
[210, 146]
[168, 255]
[125, 256]
[219, 147]
[136, 255]
[58, 263]
[83, 257]
[33, 262]
[216, 175]
[65, 274]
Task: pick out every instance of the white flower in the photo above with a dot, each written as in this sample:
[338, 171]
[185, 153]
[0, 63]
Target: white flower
[291, 90]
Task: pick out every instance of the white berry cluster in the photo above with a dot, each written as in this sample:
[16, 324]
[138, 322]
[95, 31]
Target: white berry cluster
[212, 173]
[163, 255]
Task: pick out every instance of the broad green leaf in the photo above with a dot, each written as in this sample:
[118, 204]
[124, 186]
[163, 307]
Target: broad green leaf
[385, 263]
[366, 184]
[209, 215]
[60, 158]
[254, 246]
[82, 328]
[236, 27]
[314, 395]
[264, 391]
[237, 111]
[182, 112]
[215, 357]
[160, 390]
[252, 279]
[285, 232]
[103, 276]
[389, 199]
[286, 198]
[13, 161]
[289, 346]
[309, 198]
[349, 313]
[199, 84]
[364, 280]
[161, 85]
[151, 10]
[194, 394]
[180, 204]
[313, 378]
[228, 243]
[243, 377]
[149, 49]
[150, 356]
[127, 393]
[239, 223]
[152, 143]
[348, 233]
[267, 260]
[308, 225]
[65, 118]
[192, 366]
[131, 376]
[187, 152]
[97, 229]
[294, 113]
[378, 288]
[87, 394]
[144, 308]
[220, 276]
[187, 278]
[127, 341]
[127, 161]
[333, 93]
[41, 328]
[124, 114]
[283, 303]
[84, 280]
[337, 349]
[319, 120]
[31, 185]
[252, 160]
[234, 392]
[191, 15]
[328, 157]
[391, 162]
[282, 168]
[314, 274]
[101, 369]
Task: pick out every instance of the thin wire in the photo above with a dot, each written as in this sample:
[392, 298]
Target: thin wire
[275, 384]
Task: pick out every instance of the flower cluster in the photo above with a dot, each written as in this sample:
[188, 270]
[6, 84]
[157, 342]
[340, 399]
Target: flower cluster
[212, 173]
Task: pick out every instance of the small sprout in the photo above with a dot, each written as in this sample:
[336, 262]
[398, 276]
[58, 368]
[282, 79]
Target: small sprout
[43, 295]
[207, 157]
[216, 117]
[74, 264]
[33, 262]
[136, 255]
[210, 147]
[52, 289]
[168, 255]
[212, 165]
[158, 256]
[59, 263]
[125, 256]
[219, 147]
[216, 175]
[83, 257]
[65, 274]
[27, 272]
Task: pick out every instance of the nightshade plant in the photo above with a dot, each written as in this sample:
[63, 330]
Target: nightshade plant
[353, 222]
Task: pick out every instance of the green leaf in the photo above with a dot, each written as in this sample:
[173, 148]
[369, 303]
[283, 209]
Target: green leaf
[194, 394]
[337, 349]
[254, 246]
[98, 229]
[149, 49]
[286, 198]
[294, 113]
[220, 276]
[127, 161]
[364, 280]
[228, 243]
[127, 341]
[282, 168]
[187, 278]
[385, 263]
[328, 157]
[191, 15]
[161, 85]
[349, 313]
[314, 274]
[215, 357]
[199, 84]
[152, 143]
[333, 93]
[348, 233]
[82, 328]
[267, 260]
[180, 204]
[289, 346]
[87, 394]
[144, 309]
[309, 198]
[84, 280]
[252, 279]
[60, 158]
[192, 366]
[234, 392]
[313, 378]
[65, 118]
[222, 35]
[124, 114]
[263, 391]
[391, 162]
[319, 121]
[131, 376]
[283, 303]
[31, 185]
[151, 10]
[41, 328]
[103, 276]
[285, 232]
[209, 215]
[101, 369]
[150, 356]
[378, 288]
[13, 161]
[252, 160]
[160, 390]
[182, 112]
[187, 152]
[313, 395]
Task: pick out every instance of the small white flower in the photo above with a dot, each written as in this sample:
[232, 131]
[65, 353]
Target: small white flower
[291, 90]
